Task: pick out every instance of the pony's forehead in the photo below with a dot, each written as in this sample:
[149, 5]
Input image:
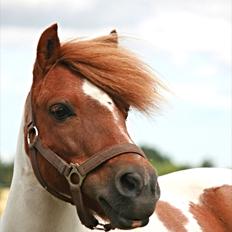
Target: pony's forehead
[57, 83]
[61, 83]
[97, 94]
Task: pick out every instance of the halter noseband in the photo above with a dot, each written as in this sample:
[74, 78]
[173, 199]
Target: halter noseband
[74, 173]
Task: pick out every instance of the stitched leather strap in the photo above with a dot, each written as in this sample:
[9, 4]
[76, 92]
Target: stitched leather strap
[41, 180]
[107, 154]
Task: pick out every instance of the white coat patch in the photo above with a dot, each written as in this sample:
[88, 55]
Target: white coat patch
[104, 99]
[98, 95]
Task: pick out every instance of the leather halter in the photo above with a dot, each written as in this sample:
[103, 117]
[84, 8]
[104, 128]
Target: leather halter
[74, 173]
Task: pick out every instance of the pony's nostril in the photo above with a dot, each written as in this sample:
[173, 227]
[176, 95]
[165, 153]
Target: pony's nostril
[129, 184]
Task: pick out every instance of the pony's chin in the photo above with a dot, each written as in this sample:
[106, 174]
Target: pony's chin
[118, 221]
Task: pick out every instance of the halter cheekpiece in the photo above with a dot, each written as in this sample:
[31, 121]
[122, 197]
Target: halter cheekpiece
[74, 173]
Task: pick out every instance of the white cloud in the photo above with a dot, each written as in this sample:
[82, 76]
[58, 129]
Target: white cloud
[77, 5]
[201, 95]
[178, 27]
[207, 71]
[181, 33]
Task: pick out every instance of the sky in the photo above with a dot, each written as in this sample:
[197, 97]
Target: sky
[186, 43]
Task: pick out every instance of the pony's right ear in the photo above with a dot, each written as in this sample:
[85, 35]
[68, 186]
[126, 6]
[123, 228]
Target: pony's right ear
[47, 51]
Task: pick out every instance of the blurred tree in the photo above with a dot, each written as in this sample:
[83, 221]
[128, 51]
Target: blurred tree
[6, 174]
[154, 154]
[207, 163]
[162, 163]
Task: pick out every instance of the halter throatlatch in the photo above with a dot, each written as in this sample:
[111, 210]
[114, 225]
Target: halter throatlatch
[74, 173]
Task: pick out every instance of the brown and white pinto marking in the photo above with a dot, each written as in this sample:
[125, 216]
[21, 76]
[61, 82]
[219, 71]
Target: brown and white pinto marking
[214, 211]
[81, 94]
[197, 200]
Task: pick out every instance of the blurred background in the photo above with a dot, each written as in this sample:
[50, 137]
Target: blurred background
[186, 43]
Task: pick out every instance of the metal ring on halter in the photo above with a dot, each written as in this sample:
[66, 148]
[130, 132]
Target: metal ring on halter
[74, 177]
[32, 130]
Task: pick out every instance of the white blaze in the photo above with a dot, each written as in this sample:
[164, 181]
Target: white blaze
[98, 95]
[104, 99]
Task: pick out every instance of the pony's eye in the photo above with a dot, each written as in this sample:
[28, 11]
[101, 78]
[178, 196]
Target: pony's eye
[61, 111]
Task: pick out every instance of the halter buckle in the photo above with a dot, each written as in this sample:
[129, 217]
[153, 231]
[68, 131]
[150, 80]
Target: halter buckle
[32, 135]
[74, 176]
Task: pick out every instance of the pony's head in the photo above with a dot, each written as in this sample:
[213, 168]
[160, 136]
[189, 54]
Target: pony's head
[80, 96]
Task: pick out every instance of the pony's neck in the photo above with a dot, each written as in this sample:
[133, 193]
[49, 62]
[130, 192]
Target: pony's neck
[30, 207]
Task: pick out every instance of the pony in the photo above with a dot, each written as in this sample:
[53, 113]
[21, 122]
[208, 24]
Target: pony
[75, 157]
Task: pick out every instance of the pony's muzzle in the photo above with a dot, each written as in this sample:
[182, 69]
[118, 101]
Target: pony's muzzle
[131, 197]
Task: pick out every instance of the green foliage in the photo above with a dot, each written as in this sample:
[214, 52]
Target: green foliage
[162, 163]
[6, 174]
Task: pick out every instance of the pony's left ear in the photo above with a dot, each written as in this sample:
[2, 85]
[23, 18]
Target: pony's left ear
[114, 36]
[47, 51]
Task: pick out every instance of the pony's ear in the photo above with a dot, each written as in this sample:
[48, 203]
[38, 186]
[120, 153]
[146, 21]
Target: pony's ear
[47, 51]
[114, 36]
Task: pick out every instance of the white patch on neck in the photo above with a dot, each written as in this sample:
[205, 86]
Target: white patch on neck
[104, 99]
[28, 200]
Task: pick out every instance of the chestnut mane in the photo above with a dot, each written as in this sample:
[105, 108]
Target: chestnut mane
[114, 69]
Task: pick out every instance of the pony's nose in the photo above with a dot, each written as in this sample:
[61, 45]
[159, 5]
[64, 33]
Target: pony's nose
[136, 182]
[129, 184]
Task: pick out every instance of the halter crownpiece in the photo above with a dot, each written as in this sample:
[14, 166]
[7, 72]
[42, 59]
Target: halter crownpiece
[74, 173]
